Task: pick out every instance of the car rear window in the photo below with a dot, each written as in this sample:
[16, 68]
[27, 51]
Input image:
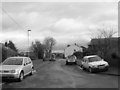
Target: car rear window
[13, 61]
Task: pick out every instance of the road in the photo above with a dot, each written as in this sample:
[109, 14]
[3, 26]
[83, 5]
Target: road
[56, 74]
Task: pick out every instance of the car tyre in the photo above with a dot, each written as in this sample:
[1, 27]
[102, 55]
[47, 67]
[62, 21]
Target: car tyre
[75, 63]
[106, 69]
[66, 62]
[82, 67]
[31, 73]
[90, 70]
[21, 76]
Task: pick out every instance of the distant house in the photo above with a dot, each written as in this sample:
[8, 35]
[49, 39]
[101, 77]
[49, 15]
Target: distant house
[58, 53]
[103, 41]
[71, 49]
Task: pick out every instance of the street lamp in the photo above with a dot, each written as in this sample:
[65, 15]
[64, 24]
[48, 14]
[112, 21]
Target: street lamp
[28, 43]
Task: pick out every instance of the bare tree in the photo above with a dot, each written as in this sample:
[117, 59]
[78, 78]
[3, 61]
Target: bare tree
[103, 32]
[103, 38]
[49, 43]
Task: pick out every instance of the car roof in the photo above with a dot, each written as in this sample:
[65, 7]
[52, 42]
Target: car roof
[90, 56]
[18, 57]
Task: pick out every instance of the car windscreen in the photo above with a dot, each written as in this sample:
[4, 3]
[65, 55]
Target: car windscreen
[92, 59]
[13, 61]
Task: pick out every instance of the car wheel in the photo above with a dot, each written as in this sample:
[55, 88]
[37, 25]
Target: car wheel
[75, 63]
[106, 69]
[31, 73]
[90, 70]
[82, 67]
[66, 63]
[21, 76]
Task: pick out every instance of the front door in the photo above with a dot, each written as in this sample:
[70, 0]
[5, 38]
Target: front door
[26, 68]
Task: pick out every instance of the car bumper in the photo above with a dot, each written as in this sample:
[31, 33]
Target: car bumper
[71, 61]
[9, 76]
[52, 60]
[101, 68]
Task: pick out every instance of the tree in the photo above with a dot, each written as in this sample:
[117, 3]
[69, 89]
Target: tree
[11, 45]
[104, 32]
[7, 52]
[103, 38]
[49, 43]
[38, 49]
[6, 44]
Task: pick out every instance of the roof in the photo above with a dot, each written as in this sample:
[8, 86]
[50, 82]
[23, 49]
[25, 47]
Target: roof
[90, 56]
[71, 49]
[103, 40]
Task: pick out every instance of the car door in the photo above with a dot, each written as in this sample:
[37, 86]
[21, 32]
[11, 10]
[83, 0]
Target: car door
[25, 66]
[29, 65]
[85, 63]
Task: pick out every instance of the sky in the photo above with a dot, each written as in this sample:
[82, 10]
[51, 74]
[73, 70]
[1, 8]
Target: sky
[66, 22]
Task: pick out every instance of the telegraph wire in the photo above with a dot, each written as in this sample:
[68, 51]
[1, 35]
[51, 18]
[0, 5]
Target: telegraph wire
[12, 18]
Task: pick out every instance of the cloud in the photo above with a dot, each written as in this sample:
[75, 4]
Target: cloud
[67, 22]
[65, 25]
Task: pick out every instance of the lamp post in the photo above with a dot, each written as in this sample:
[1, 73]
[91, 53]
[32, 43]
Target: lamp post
[28, 43]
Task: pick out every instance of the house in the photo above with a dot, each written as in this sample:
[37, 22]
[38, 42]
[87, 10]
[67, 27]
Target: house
[71, 49]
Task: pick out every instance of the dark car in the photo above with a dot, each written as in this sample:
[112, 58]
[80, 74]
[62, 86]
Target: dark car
[52, 58]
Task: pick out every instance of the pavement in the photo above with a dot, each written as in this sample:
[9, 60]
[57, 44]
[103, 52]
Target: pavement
[112, 71]
[55, 74]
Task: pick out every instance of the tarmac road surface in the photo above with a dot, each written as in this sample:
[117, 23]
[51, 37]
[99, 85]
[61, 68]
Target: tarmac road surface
[55, 74]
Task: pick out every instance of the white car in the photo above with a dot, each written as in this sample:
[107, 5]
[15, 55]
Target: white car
[94, 63]
[16, 68]
[71, 59]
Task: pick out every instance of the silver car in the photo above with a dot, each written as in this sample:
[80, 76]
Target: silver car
[16, 68]
[71, 59]
[94, 63]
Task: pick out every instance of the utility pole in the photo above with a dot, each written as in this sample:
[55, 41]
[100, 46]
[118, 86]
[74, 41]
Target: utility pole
[28, 44]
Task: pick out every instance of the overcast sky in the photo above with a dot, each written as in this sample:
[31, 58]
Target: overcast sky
[67, 22]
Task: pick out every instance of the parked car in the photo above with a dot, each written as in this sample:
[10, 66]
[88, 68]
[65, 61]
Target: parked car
[52, 58]
[16, 68]
[94, 63]
[71, 59]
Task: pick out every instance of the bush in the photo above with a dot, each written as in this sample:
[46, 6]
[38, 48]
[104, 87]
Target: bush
[7, 52]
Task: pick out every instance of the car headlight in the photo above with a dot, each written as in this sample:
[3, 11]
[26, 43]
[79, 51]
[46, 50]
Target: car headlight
[12, 71]
[106, 64]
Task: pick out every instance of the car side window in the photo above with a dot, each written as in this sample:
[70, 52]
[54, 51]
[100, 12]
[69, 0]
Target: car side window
[25, 61]
[29, 61]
